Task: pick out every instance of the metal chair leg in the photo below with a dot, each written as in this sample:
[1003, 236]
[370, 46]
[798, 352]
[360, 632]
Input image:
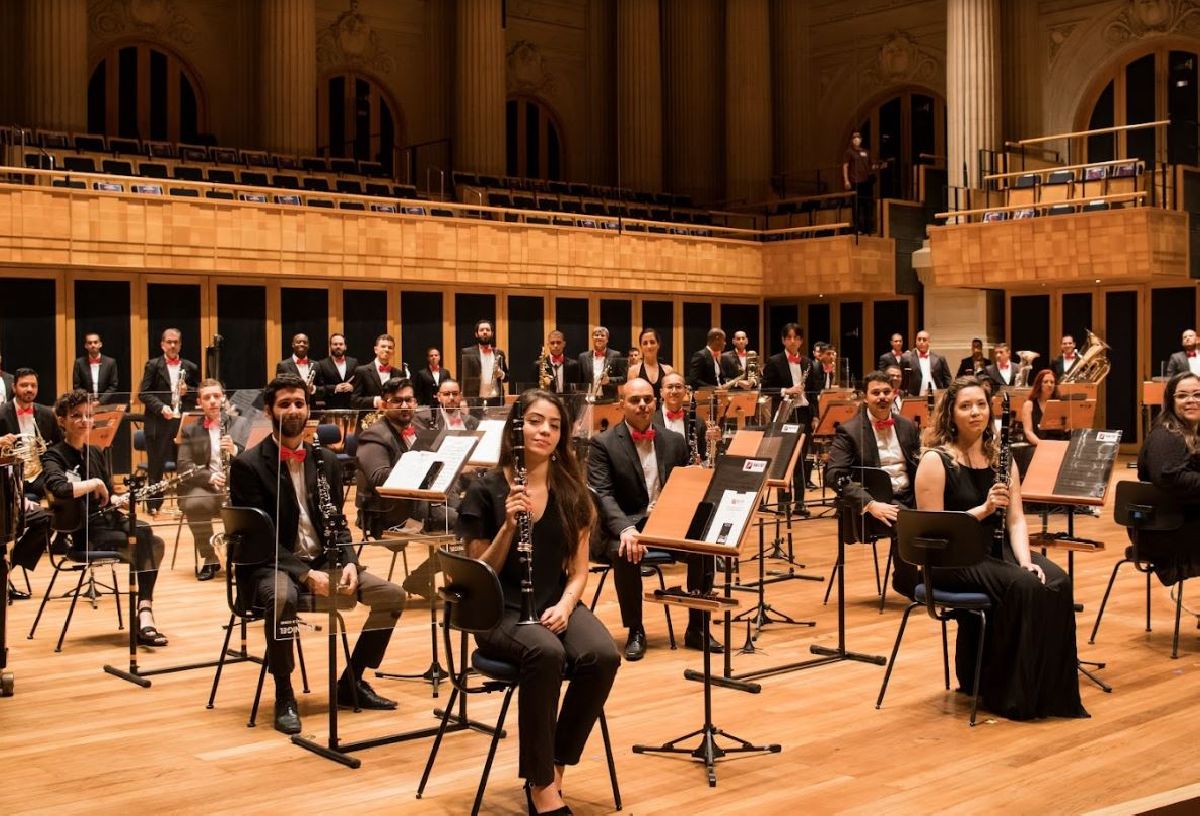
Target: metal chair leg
[212, 695]
[875, 557]
[491, 756]
[71, 611]
[1147, 601]
[887, 571]
[887, 675]
[117, 599]
[303, 669]
[612, 765]
[599, 589]
[1104, 601]
[45, 599]
[837, 565]
[437, 740]
[1178, 609]
[662, 584]
[978, 665]
[262, 675]
[945, 656]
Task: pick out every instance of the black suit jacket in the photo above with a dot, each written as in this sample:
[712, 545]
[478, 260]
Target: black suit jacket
[472, 371]
[939, 370]
[1056, 365]
[9, 384]
[992, 372]
[701, 369]
[966, 367]
[615, 475]
[731, 365]
[328, 378]
[155, 392]
[424, 385]
[196, 451]
[854, 446]
[288, 366]
[888, 359]
[1178, 363]
[81, 377]
[258, 479]
[618, 368]
[47, 426]
[777, 375]
[379, 448]
[572, 375]
[367, 385]
[660, 424]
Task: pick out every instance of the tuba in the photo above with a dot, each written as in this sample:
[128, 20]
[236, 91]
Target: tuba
[1021, 378]
[1093, 364]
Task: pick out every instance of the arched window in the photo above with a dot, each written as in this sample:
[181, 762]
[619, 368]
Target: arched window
[145, 92]
[534, 140]
[1150, 86]
[909, 128]
[356, 119]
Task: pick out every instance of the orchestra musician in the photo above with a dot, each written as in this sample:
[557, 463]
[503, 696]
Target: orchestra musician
[162, 379]
[974, 365]
[877, 437]
[206, 445]
[561, 513]
[298, 365]
[602, 367]
[335, 375]
[279, 477]
[672, 415]
[733, 362]
[1170, 459]
[1186, 360]
[1063, 363]
[1001, 372]
[564, 371]
[449, 413]
[1045, 387]
[1030, 658]
[429, 378]
[649, 368]
[79, 485]
[30, 544]
[894, 355]
[369, 378]
[895, 376]
[95, 372]
[21, 416]
[633, 357]
[6, 384]
[484, 367]
[704, 369]
[787, 373]
[927, 370]
[628, 464]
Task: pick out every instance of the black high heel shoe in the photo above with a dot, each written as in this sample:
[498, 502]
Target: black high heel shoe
[533, 811]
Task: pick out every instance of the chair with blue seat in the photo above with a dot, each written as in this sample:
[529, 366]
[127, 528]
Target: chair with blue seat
[1143, 507]
[939, 540]
[652, 564]
[473, 604]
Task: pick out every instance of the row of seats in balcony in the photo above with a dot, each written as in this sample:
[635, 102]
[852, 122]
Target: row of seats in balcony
[1051, 186]
[1099, 205]
[587, 205]
[537, 186]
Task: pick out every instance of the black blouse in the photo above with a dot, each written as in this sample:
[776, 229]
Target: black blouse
[481, 515]
[1165, 461]
[968, 487]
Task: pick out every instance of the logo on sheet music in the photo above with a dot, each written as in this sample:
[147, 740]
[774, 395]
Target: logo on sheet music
[754, 465]
[791, 427]
[1112, 437]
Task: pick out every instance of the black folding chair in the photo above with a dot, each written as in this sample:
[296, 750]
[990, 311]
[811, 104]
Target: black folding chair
[860, 526]
[934, 540]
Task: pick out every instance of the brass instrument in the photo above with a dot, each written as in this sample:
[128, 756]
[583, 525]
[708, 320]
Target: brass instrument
[1021, 378]
[598, 385]
[751, 375]
[29, 448]
[1093, 364]
[524, 525]
[177, 389]
[544, 375]
[311, 379]
[498, 367]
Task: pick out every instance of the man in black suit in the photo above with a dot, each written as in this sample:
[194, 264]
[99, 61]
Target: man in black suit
[6, 385]
[733, 362]
[672, 415]
[925, 369]
[627, 467]
[1002, 372]
[894, 355]
[975, 364]
[484, 368]
[564, 372]
[369, 378]
[1065, 361]
[602, 368]
[298, 365]
[788, 374]
[335, 375]
[450, 413]
[427, 380]
[164, 379]
[21, 416]
[279, 477]
[94, 372]
[878, 438]
[704, 368]
[206, 446]
[1186, 360]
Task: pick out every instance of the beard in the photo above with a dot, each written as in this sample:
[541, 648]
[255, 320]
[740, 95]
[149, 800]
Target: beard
[289, 426]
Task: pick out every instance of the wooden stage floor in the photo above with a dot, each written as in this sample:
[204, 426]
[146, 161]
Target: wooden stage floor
[75, 737]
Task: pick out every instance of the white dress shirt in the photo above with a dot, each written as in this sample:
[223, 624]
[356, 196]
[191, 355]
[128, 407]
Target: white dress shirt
[645, 452]
[340, 365]
[798, 379]
[924, 363]
[304, 368]
[1005, 374]
[891, 457]
[679, 426]
[95, 369]
[308, 543]
[1194, 363]
[1069, 363]
[487, 366]
[384, 376]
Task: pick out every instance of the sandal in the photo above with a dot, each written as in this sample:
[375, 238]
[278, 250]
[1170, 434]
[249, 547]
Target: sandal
[150, 636]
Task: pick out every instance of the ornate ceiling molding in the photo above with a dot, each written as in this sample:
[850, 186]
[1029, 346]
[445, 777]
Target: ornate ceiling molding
[159, 19]
[902, 59]
[527, 72]
[350, 42]
[1143, 18]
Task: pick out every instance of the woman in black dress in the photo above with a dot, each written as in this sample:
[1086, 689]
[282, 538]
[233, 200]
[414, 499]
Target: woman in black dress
[649, 368]
[1170, 459]
[1045, 387]
[561, 512]
[1029, 662]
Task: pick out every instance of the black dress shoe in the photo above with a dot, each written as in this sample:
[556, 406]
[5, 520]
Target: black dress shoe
[811, 486]
[15, 594]
[287, 716]
[635, 646]
[692, 640]
[801, 511]
[208, 572]
[367, 698]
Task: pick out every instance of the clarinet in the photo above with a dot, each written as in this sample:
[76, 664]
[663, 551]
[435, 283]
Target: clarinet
[692, 430]
[524, 525]
[333, 520]
[1003, 468]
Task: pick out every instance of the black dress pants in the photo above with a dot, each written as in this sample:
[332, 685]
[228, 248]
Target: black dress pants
[627, 578]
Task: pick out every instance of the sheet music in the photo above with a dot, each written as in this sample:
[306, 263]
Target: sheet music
[730, 517]
[412, 468]
[1087, 466]
[487, 452]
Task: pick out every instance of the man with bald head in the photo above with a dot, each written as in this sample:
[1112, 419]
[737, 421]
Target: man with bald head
[925, 370]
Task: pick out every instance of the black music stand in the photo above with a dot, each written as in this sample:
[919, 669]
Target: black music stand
[13, 494]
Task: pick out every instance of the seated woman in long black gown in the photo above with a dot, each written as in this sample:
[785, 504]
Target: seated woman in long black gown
[1029, 660]
[1170, 459]
[561, 511]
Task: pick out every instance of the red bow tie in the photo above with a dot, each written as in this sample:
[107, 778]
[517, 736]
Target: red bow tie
[1068, 356]
[409, 432]
[794, 358]
[209, 424]
[435, 369]
[827, 369]
[301, 361]
[924, 355]
[171, 362]
[1191, 354]
[557, 360]
[25, 411]
[486, 349]
[297, 455]
[455, 422]
[599, 355]
[93, 360]
[674, 415]
[386, 369]
[643, 436]
[884, 424]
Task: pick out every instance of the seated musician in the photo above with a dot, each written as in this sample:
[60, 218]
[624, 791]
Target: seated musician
[1030, 660]
[204, 449]
[279, 477]
[560, 512]
[451, 413]
[22, 417]
[1045, 387]
[878, 438]
[1170, 459]
[31, 542]
[627, 466]
[673, 416]
[79, 486]
[895, 376]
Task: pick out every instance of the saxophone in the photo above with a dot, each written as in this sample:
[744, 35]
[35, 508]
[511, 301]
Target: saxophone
[544, 375]
[1003, 468]
[710, 461]
[524, 525]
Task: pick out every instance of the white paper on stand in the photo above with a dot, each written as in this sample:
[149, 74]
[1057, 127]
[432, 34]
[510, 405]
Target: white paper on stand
[730, 517]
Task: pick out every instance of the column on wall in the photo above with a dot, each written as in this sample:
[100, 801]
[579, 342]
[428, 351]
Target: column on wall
[747, 100]
[693, 151]
[55, 67]
[287, 88]
[972, 85]
[790, 84]
[639, 96]
[479, 81]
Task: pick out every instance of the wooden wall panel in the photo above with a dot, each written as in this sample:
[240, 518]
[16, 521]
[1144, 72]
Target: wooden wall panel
[839, 265]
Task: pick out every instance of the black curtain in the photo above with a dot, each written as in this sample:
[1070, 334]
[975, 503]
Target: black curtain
[820, 325]
[421, 314]
[778, 316]
[469, 308]
[741, 317]
[571, 318]
[525, 338]
[850, 343]
[104, 307]
[177, 306]
[656, 314]
[890, 316]
[1121, 386]
[697, 320]
[242, 322]
[28, 338]
[1172, 311]
[366, 317]
[1031, 328]
[617, 316]
[304, 311]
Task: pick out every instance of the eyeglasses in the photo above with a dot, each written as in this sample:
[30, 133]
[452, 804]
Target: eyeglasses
[1185, 396]
[400, 400]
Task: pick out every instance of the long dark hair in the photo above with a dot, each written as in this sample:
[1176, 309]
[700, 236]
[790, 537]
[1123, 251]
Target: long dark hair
[1039, 378]
[566, 477]
[1170, 419]
[942, 432]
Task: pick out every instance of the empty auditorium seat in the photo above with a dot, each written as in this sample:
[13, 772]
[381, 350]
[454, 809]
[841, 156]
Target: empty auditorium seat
[557, 187]
[404, 191]
[371, 168]
[549, 203]
[289, 199]
[316, 184]
[257, 198]
[524, 201]
[1023, 191]
[187, 173]
[285, 162]
[79, 164]
[255, 178]
[39, 161]
[126, 147]
[223, 155]
[388, 208]
[72, 183]
[1028, 212]
[1122, 178]
[571, 205]
[415, 211]
[53, 140]
[320, 202]
[189, 192]
[221, 175]
[490, 181]
[226, 195]
[90, 143]
[314, 164]
[578, 189]
[147, 189]
[499, 198]
[349, 186]
[594, 207]
[152, 169]
[193, 153]
[348, 167]
[438, 212]
[1095, 206]
[162, 150]
[118, 167]
[285, 181]
[1057, 186]
[255, 158]
[995, 215]
[1061, 209]
[375, 188]
[351, 205]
